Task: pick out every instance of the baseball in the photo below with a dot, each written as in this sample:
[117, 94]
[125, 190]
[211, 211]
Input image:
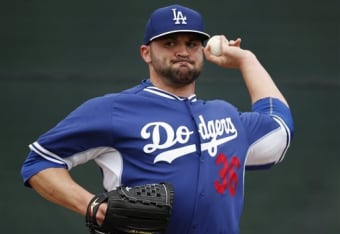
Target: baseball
[215, 45]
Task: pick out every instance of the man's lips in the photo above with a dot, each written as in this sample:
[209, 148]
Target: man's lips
[182, 61]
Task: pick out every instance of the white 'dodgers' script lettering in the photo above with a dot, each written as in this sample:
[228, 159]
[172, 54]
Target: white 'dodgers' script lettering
[214, 129]
[153, 131]
[217, 131]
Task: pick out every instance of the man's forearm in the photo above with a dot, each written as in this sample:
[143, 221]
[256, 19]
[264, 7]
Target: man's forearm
[257, 79]
[57, 186]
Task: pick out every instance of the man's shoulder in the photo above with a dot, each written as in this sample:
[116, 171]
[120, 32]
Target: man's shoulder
[116, 95]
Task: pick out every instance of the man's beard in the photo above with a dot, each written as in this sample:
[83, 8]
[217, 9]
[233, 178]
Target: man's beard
[177, 76]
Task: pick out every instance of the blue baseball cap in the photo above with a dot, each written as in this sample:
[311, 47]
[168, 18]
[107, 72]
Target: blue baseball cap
[173, 19]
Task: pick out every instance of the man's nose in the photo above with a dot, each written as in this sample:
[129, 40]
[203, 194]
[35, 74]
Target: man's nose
[182, 50]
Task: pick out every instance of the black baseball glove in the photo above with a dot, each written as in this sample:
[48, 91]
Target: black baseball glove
[141, 209]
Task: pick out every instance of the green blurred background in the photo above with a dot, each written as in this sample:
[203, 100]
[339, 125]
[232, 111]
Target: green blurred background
[56, 54]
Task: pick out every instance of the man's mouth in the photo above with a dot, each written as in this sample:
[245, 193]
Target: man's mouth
[182, 61]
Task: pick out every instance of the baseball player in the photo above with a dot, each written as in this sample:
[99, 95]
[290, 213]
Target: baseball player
[160, 132]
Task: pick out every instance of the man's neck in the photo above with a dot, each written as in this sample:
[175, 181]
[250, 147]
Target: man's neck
[180, 90]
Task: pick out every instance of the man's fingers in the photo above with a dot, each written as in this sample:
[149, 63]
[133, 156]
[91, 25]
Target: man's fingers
[236, 42]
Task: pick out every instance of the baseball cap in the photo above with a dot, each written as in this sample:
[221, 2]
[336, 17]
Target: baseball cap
[173, 19]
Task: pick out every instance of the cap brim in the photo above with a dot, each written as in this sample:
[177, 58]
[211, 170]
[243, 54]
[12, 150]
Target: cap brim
[205, 36]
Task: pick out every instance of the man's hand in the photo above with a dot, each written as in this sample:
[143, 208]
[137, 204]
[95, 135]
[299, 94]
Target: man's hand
[232, 55]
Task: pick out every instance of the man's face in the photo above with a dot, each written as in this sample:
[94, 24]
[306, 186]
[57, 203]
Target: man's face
[178, 57]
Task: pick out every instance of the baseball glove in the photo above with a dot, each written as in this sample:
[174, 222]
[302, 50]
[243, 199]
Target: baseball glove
[142, 209]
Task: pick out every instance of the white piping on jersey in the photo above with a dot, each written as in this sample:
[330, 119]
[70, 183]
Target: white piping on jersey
[288, 139]
[48, 155]
[283, 126]
[107, 158]
[271, 148]
[160, 92]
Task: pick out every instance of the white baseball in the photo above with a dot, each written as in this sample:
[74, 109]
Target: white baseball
[215, 44]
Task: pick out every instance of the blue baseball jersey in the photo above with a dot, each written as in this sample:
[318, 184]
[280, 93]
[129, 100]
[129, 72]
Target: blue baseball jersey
[145, 135]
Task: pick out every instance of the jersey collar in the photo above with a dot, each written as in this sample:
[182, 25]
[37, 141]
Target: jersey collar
[157, 91]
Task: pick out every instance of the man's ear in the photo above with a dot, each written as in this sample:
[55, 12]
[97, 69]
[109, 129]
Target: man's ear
[145, 53]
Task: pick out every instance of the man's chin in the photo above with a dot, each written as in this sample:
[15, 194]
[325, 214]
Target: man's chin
[186, 78]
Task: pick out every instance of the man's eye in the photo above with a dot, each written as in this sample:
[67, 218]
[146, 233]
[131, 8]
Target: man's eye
[169, 43]
[192, 45]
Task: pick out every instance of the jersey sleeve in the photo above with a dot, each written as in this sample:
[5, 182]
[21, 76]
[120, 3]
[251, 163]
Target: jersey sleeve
[87, 127]
[270, 130]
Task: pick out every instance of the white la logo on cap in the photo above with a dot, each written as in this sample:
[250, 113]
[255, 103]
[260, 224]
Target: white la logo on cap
[178, 16]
